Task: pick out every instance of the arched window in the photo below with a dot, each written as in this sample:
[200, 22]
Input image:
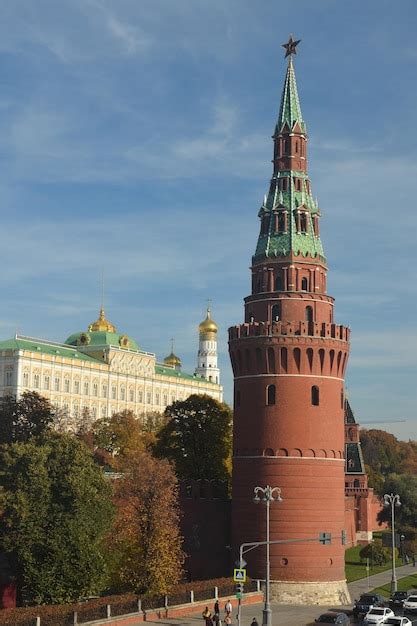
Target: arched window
[310, 358]
[303, 222]
[278, 283]
[284, 360]
[271, 361]
[304, 284]
[270, 395]
[297, 358]
[276, 312]
[258, 354]
[309, 314]
[281, 222]
[247, 361]
[315, 395]
[321, 355]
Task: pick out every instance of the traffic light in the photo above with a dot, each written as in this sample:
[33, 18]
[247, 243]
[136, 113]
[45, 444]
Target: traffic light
[239, 590]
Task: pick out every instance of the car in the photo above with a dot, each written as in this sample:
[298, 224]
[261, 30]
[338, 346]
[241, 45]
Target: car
[367, 602]
[397, 599]
[397, 620]
[377, 615]
[410, 604]
[333, 617]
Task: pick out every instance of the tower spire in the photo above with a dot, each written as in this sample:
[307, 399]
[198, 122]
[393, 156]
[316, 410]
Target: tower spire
[290, 109]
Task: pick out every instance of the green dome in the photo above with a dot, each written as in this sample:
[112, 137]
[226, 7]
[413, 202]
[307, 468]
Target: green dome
[102, 333]
[101, 338]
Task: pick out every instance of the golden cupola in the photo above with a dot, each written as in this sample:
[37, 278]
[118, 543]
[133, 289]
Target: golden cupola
[102, 324]
[208, 327]
[172, 359]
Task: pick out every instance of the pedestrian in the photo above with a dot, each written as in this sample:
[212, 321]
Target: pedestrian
[227, 620]
[228, 608]
[254, 622]
[207, 616]
[216, 620]
[216, 608]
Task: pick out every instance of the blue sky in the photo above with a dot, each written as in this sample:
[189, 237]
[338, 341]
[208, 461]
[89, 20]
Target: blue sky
[135, 137]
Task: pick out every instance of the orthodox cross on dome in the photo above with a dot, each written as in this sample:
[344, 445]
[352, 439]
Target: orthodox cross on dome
[290, 46]
[208, 304]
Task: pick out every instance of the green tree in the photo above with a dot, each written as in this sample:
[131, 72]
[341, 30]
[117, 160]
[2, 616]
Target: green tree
[405, 485]
[29, 416]
[145, 540]
[375, 552]
[119, 435]
[56, 508]
[197, 438]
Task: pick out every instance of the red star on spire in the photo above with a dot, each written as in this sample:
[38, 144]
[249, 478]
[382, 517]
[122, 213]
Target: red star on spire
[290, 47]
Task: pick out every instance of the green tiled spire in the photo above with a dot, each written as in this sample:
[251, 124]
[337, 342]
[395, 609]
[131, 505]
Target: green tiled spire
[290, 110]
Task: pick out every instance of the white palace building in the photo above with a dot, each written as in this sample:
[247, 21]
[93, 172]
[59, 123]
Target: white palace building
[103, 371]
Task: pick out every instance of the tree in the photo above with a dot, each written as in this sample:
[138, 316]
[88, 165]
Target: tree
[197, 438]
[375, 552]
[29, 416]
[405, 485]
[146, 540]
[120, 436]
[56, 509]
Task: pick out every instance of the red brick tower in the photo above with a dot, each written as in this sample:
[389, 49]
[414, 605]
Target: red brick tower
[289, 360]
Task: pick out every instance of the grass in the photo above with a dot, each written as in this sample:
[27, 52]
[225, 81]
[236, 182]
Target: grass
[404, 584]
[355, 569]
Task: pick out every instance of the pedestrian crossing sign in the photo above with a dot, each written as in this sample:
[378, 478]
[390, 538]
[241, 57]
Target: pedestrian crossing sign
[239, 575]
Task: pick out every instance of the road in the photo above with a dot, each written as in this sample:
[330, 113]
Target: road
[298, 615]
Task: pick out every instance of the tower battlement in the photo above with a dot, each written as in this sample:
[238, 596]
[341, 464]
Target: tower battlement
[290, 329]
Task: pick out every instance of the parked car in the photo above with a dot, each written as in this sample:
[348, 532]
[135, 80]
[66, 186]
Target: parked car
[377, 615]
[367, 602]
[333, 617]
[410, 604]
[398, 621]
[397, 599]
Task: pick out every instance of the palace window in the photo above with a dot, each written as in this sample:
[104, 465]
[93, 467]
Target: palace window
[46, 382]
[148, 398]
[56, 384]
[131, 395]
[95, 389]
[8, 377]
[113, 393]
[104, 391]
[270, 395]
[315, 395]
[76, 386]
[26, 379]
[66, 385]
[140, 396]
[165, 399]
[36, 381]
[157, 398]
[86, 388]
[304, 284]
[103, 411]
[94, 412]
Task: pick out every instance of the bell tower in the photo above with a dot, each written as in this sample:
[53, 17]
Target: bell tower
[289, 359]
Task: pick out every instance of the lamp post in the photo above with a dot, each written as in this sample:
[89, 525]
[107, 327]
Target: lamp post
[392, 500]
[268, 495]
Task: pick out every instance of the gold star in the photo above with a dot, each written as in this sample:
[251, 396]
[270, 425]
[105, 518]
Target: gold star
[290, 47]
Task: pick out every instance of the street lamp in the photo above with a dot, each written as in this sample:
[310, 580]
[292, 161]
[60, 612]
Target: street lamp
[268, 495]
[392, 500]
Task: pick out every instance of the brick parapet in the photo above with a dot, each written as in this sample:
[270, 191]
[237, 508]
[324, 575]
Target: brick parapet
[324, 330]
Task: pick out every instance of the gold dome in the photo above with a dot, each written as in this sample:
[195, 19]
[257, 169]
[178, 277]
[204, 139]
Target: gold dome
[173, 360]
[208, 326]
[102, 324]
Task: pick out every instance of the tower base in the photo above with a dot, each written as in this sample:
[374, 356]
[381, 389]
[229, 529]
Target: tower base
[334, 592]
